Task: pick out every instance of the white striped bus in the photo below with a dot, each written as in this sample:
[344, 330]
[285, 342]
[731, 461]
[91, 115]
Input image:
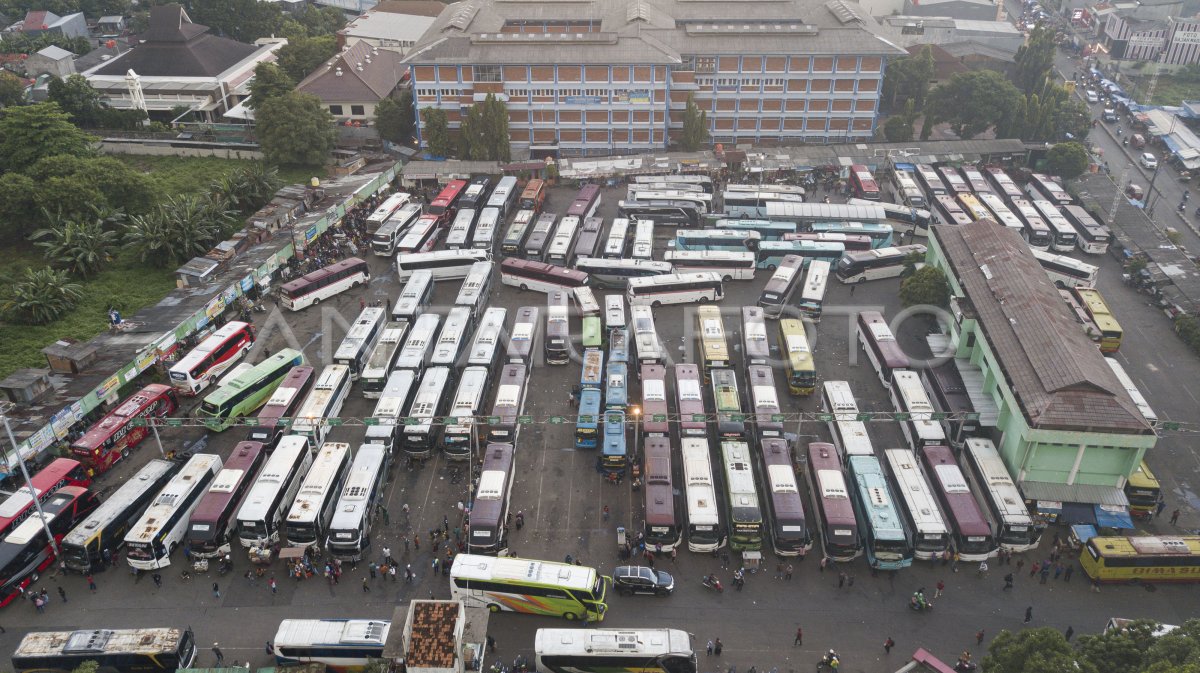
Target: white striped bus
[785, 517]
[522, 340]
[414, 354]
[1015, 528]
[855, 267]
[703, 183]
[833, 511]
[693, 417]
[1037, 232]
[675, 288]
[954, 180]
[1002, 184]
[930, 181]
[849, 434]
[415, 297]
[484, 235]
[643, 240]
[511, 387]
[589, 238]
[339, 644]
[260, 517]
[360, 340]
[778, 291]
[650, 349]
[324, 401]
[388, 415]
[704, 530]
[905, 187]
[556, 347]
[702, 202]
[504, 196]
[614, 245]
[382, 358]
[385, 210]
[1001, 213]
[539, 276]
[161, 528]
[216, 353]
[421, 236]
[459, 234]
[349, 536]
[615, 273]
[559, 250]
[976, 180]
[714, 346]
[908, 396]
[1045, 187]
[1065, 271]
[931, 535]
[1093, 237]
[728, 265]
[385, 239]
[458, 437]
[739, 203]
[308, 519]
[488, 519]
[452, 338]
[442, 264]
[812, 295]
[875, 339]
[765, 399]
[1139, 400]
[423, 428]
[484, 350]
[1062, 235]
[756, 347]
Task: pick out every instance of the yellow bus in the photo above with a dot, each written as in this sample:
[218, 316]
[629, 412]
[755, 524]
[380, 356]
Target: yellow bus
[714, 348]
[973, 208]
[1143, 491]
[1097, 310]
[800, 366]
[1143, 558]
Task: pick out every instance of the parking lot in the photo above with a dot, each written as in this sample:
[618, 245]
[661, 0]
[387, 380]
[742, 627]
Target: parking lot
[562, 496]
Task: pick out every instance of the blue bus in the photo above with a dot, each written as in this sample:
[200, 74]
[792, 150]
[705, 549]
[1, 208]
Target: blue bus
[887, 543]
[618, 345]
[588, 423]
[614, 458]
[616, 387]
[593, 369]
[770, 230]
[880, 234]
[731, 240]
[771, 253]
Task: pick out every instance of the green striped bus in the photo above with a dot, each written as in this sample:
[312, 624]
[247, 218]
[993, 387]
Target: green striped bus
[245, 393]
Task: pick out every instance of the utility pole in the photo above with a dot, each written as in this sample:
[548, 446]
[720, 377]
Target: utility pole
[33, 494]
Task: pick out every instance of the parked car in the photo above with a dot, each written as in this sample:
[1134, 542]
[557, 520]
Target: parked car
[1092, 96]
[1110, 114]
[628, 580]
[1148, 160]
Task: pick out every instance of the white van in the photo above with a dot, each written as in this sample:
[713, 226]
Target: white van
[614, 311]
[443, 264]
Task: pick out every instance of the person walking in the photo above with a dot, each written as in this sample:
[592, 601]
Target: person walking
[1068, 572]
[888, 645]
[274, 587]
[216, 649]
[799, 639]
[841, 580]
[1070, 632]
[979, 637]
[1162, 504]
[708, 650]
[1008, 581]
[1045, 572]
[216, 590]
[941, 586]
[366, 586]
[91, 583]
[62, 593]
[1028, 614]
[604, 512]
[157, 580]
[787, 572]
[1175, 517]
[717, 647]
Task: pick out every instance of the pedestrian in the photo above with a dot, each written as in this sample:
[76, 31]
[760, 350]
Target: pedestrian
[1058, 569]
[941, 586]
[1174, 517]
[1008, 581]
[674, 553]
[779, 570]
[852, 286]
[216, 590]
[979, 637]
[91, 583]
[219, 654]
[841, 580]
[445, 524]
[1028, 614]
[717, 647]
[1070, 632]
[270, 649]
[799, 639]
[1033, 570]
[157, 577]
[1162, 503]
[362, 304]
[62, 594]
[709, 650]
[1045, 573]
[1070, 571]
[367, 587]
[39, 604]
[604, 513]
[1095, 585]
[888, 645]
[392, 572]
[1020, 564]
[491, 644]
[787, 573]
[274, 587]
[373, 569]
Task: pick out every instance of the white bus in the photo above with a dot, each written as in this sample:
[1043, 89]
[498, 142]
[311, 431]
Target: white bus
[676, 288]
[854, 267]
[383, 356]
[812, 297]
[1001, 212]
[444, 264]
[649, 650]
[458, 236]
[1063, 237]
[484, 350]
[504, 195]
[908, 396]
[324, 401]
[1131, 388]
[386, 209]
[615, 273]
[1065, 271]
[649, 347]
[415, 351]
[931, 535]
[849, 434]
[743, 203]
[779, 288]
[1015, 529]
[729, 265]
[522, 341]
[484, 236]
[389, 410]
[430, 401]
[415, 297]
[360, 340]
[458, 438]
[161, 528]
[701, 201]
[339, 644]
[451, 339]
[559, 250]
[350, 529]
[308, 519]
[614, 245]
[643, 240]
[317, 286]
[474, 291]
[260, 518]
[387, 237]
[704, 531]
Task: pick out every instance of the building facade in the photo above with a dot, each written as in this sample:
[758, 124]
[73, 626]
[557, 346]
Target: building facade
[601, 77]
[352, 83]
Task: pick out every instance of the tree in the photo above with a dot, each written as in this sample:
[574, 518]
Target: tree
[179, 229]
[104, 181]
[437, 132]
[12, 89]
[242, 20]
[1118, 650]
[77, 98]
[38, 297]
[1034, 59]
[495, 122]
[30, 132]
[18, 207]
[1067, 160]
[908, 78]
[394, 117]
[1042, 650]
[295, 129]
[269, 81]
[90, 666]
[972, 102]
[695, 127]
[926, 286]
[898, 129]
[302, 56]
[83, 246]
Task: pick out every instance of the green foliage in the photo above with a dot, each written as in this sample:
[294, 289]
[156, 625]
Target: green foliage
[908, 79]
[695, 127]
[437, 132]
[303, 55]
[1042, 650]
[898, 129]
[394, 117]
[111, 183]
[1118, 651]
[37, 297]
[320, 20]
[296, 129]
[926, 286]
[246, 189]
[269, 81]
[22, 43]
[484, 132]
[179, 229]
[77, 98]
[12, 89]
[972, 102]
[241, 20]
[82, 246]
[90, 666]
[1067, 160]
[1034, 59]
[19, 213]
[31, 132]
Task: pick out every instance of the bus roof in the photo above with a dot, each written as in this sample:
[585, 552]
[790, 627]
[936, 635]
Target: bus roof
[525, 571]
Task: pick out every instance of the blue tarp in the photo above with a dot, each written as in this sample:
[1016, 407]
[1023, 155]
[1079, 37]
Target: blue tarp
[1113, 517]
[1171, 143]
[1083, 532]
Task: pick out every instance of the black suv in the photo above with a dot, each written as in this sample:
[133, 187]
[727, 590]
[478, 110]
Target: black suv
[642, 580]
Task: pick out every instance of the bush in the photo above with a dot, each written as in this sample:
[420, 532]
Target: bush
[1188, 329]
[926, 286]
[37, 297]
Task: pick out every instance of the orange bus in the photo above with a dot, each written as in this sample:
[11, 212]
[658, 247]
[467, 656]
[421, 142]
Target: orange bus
[534, 195]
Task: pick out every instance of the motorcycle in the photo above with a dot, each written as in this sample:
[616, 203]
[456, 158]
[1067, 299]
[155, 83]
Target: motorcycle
[965, 666]
[830, 661]
[712, 582]
[918, 603]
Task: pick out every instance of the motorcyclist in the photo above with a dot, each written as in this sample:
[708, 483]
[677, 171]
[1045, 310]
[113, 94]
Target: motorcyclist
[711, 580]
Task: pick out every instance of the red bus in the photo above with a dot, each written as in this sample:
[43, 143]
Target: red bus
[443, 204]
[662, 524]
[970, 531]
[283, 403]
[654, 401]
[26, 551]
[210, 528]
[534, 195]
[113, 437]
[59, 473]
[863, 183]
[217, 353]
[586, 202]
[691, 401]
[880, 345]
[831, 502]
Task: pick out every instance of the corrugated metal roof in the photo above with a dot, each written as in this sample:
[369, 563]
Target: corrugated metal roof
[1086, 493]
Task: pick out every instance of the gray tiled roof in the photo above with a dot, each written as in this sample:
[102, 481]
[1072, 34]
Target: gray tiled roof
[1058, 376]
[365, 75]
[176, 47]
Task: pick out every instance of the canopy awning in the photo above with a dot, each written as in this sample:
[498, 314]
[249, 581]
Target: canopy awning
[1113, 517]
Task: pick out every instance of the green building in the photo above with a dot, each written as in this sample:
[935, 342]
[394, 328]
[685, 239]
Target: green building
[1067, 429]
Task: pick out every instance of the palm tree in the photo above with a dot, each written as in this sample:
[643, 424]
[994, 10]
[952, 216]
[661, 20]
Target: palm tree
[150, 237]
[83, 246]
[261, 182]
[38, 297]
[179, 229]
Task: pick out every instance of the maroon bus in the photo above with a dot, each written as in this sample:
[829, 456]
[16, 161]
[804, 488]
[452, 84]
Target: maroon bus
[790, 533]
[970, 531]
[210, 529]
[489, 511]
[831, 502]
[662, 522]
[283, 403]
[878, 342]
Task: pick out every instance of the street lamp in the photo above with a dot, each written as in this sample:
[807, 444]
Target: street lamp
[636, 412]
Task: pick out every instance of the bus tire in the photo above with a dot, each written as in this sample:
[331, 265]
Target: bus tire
[771, 268]
[656, 304]
[524, 287]
[316, 300]
[125, 452]
[493, 608]
[570, 616]
[728, 279]
[703, 300]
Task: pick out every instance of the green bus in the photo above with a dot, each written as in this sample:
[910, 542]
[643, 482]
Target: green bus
[593, 335]
[533, 587]
[248, 391]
